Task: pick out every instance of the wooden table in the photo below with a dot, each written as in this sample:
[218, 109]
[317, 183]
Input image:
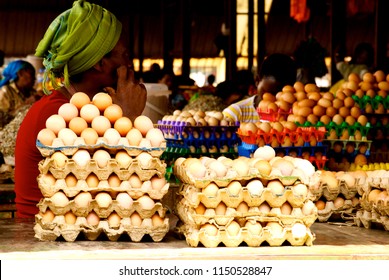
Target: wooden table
[333, 242]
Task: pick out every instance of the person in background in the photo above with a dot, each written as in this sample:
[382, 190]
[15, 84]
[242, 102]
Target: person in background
[84, 50]
[310, 60]
[16, 89]
[277, 70]
[209, 87]
[153, 75]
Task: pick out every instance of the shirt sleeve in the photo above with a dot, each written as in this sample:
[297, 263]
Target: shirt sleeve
[233, 112]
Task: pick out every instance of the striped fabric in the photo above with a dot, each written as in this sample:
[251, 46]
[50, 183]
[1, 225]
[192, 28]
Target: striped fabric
[242, 111]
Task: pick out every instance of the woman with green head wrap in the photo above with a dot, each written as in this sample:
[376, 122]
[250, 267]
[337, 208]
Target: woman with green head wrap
[83, 50]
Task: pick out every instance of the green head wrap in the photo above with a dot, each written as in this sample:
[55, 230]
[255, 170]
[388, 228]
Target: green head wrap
[76, 40]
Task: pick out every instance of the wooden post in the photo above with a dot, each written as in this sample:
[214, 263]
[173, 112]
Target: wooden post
[337, 32]
[261, 52]
[186, 37]
[250, 55]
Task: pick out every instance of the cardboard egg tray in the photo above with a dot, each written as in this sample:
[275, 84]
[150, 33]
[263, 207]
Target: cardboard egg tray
[194, 198]
[330, 212]
[155, 167]
[189, 216]
[102, 212]
[70, 232]
[305, 133]
[79, 143]
[186, 178]
[331, 193]
[49, 190]
[369, 219]
[195, 237]
[380, 206]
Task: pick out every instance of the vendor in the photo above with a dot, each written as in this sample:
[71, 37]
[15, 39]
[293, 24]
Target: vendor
[85, 49]
[277, 70]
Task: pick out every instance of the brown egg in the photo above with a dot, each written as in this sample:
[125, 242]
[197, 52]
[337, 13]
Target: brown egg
[325, 119]
[103, 199]
[68, 111]
[102, 100]
[88, 112]
[79, 99]
[379, 76]
[337, 103]
[320, 204]
[136, 219]
[55, 123]
[355, 112]
[77, 125]
[46, 136]
[92, 181]
[143, 124]
[71, 180]
[324, 102]
[300, 95]
[288, 88]
[331, 112]
[354, 77]
[269, 97]
[328, 95]
[70, 218]
[344, 111]
[362, 119]
[48, 216]
[298, 86]
[369, 78]
[157, 220]
[90, 136]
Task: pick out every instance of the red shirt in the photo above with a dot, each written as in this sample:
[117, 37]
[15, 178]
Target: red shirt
[27, 155]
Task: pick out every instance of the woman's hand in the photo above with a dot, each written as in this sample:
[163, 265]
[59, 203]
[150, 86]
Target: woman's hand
[130, 94]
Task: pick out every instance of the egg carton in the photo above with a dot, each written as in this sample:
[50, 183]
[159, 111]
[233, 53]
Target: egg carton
[48, 190]
[188, 215]
[371, 219]
[101, 143]
[331, 193]
[194, 198]
[186, 178]
[53, 230]
[195, 236]
[155, 167]
[102, 212]
[330, 212]
[380, 206]
[378, 179]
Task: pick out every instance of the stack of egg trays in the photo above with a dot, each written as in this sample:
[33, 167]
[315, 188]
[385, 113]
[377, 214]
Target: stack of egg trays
[273, 116]
[50, 231]
[323, 191]
[190, 196]
[373, 213]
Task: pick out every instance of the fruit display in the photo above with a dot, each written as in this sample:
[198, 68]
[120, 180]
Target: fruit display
[256, 201]
[374, 210]
[102, 176]
[197, 133]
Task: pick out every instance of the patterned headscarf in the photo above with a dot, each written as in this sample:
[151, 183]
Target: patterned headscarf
[76, 40]
[10, 72]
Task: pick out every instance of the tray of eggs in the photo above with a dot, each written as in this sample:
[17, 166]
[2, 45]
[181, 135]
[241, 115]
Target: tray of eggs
[98, 123]
[251, 232]
[202, 171]
[267, 206]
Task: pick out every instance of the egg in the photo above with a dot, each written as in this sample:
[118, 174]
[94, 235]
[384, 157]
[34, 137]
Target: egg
[275, 187]
[102, 100]
[211, 190]
[124, 200]
[83, 200]
[254, 227]
[134, 137]
[221, 209]
[219, 168]
[255, 187]
[264, 208]
[123, 125]
[135, 181]
[59, 199]
[93, 219]
[155, 136]
[81, 157]
[338, 202]
[103, 199]
[265, 152]
[242, 207]
[275, 228]
[157, 183]
[55, 123]
[146, 202]
[299, 230]
[48, 216]
[68, 111]
[67, 136]
[101, 124]
[241, 166]
[48, 179]
[210, 229]
[136, 219]
[114, 181]
[157, 220]
[46, 136]
[79, 99]
[90, 136]
[233, 228]
[101, 157]
[112, 136]
[70, 218]
[71, 180]
[320, 204]
[77, 125]
[113, 113]
[144, 159]
[92, 180]
[143, 124]
[123, 159]
[60, 159]
[234, 188]
[286, 208]
[197, 169]
[200, 209]
[88, 112]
